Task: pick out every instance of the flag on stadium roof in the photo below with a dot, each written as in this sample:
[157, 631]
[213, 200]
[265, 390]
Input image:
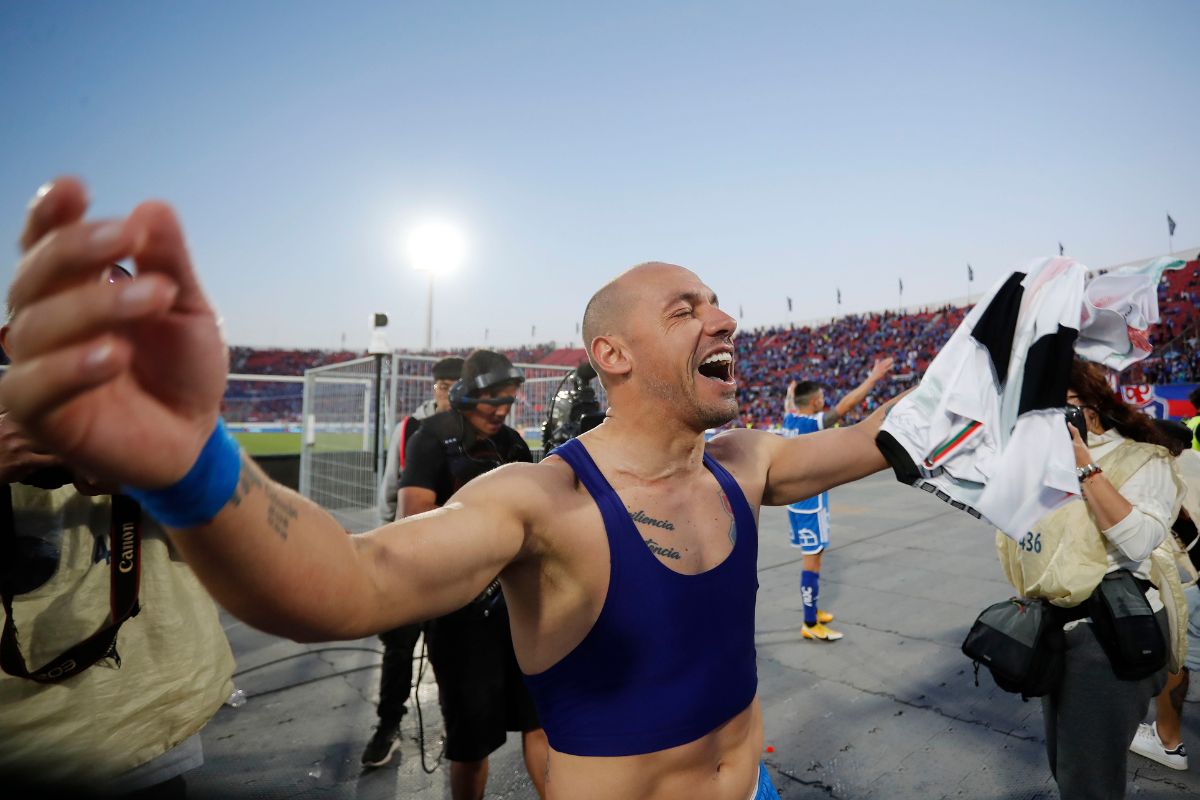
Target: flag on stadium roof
[1170, 226]
[741, 315]
[839, 295]
[789, 304]
[1060, 248]
[901, 285]
[970, 273]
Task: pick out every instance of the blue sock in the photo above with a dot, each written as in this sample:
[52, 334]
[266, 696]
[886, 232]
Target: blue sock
[810, 588]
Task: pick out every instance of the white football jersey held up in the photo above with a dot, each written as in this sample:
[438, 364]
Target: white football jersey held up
[985, 430]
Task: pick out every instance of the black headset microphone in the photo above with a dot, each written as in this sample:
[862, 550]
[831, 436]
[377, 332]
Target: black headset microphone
[461, 392]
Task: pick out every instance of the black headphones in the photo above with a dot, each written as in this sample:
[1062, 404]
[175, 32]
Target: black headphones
[461, 392]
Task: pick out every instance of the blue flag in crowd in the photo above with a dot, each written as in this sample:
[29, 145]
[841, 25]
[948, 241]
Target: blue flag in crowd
[1170, 226]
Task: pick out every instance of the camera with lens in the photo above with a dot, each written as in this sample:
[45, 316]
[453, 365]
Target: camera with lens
[573, 409]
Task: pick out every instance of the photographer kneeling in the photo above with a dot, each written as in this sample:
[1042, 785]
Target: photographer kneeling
[480, 688]
[1094, 553]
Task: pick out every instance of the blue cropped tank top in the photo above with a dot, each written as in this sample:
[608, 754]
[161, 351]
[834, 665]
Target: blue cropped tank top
[671, 656]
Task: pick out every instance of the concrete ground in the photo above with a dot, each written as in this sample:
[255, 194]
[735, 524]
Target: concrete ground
[891, 711]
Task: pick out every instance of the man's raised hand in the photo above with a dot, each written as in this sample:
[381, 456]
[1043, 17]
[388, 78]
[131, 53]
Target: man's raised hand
[122, 380]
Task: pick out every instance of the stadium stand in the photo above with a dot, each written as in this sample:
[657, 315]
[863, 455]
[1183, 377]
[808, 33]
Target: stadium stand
[837, 354]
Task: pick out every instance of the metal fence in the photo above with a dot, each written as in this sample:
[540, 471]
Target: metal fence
[343, 447]
[340, 444]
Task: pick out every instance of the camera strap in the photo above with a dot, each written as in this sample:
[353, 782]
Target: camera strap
[125, 559]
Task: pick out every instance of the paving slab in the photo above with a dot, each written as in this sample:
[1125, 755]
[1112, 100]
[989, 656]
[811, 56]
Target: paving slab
[891, 711]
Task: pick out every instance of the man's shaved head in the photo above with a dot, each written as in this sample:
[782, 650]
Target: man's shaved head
[605, 312]
[647, 332]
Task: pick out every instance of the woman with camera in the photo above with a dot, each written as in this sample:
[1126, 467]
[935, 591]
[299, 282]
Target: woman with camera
[1092, 555]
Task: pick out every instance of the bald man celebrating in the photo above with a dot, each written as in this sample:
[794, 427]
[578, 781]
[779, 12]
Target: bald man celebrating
[627, 557]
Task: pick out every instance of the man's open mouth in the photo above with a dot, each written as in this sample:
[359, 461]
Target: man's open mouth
[718, 366]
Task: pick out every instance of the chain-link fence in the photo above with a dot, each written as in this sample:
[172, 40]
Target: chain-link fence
[341, 448]
[344, 449]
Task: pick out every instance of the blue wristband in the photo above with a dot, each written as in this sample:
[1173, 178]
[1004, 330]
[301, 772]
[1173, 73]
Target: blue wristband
[200, 494]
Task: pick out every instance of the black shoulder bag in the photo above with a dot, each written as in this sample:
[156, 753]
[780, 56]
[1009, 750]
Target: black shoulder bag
[1021, 641]
[1126, 627]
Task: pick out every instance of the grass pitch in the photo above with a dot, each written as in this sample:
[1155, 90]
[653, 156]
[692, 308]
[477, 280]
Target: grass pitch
[288, 444]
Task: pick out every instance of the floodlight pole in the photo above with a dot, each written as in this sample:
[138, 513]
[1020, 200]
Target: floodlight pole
[429, 315]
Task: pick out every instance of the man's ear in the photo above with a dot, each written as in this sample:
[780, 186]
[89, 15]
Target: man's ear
[610, 355]
[4, 337]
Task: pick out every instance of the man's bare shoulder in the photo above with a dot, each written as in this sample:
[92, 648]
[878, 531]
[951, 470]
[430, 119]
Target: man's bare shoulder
[746, 453]
[528, 487]
[739, 443]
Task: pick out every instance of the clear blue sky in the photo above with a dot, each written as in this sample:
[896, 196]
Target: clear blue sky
[777, 148]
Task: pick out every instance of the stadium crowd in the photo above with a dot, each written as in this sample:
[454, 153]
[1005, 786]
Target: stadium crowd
[837, 355]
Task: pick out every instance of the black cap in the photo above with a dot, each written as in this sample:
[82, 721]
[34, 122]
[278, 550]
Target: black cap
[448, 369]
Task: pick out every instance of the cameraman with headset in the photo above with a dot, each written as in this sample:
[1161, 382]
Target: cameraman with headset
[480, 688]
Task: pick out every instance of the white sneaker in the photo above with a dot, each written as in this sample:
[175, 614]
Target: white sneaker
[1146, 743]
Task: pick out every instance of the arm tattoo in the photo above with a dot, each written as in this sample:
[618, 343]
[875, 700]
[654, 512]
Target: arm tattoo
[732, 520]
[665, 552]
[280, 510]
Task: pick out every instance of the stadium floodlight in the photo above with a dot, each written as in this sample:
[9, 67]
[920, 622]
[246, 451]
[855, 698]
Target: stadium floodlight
[435, 247]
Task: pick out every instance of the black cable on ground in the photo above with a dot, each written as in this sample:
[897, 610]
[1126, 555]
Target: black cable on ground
[420, 719]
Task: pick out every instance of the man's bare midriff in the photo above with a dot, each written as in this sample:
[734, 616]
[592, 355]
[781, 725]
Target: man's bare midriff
[723, 765]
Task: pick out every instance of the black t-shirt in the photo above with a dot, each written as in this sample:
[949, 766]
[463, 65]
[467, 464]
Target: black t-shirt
[443, 468]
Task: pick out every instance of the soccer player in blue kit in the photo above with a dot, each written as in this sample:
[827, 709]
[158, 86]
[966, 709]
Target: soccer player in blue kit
[805, 412]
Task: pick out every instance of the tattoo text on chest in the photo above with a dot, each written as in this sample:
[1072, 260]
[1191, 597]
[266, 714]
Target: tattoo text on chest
[665, 552]
[640, 516]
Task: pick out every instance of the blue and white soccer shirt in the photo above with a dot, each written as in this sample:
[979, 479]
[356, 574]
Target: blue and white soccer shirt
[809, 517]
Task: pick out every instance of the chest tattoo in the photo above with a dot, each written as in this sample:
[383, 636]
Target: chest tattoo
[640, 517]
[732, 520]
[665, 552]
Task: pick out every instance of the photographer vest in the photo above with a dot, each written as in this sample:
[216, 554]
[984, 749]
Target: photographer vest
[175, 663]
[468, 456]
[1065, 555]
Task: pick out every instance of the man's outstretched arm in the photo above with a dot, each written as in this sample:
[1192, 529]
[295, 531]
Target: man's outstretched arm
[805, 466]
[125, 382]
[282, 564]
